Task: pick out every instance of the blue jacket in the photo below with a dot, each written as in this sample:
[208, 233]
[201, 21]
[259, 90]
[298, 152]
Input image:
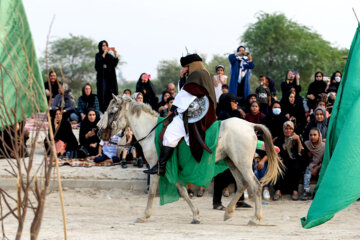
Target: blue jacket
[234, 73]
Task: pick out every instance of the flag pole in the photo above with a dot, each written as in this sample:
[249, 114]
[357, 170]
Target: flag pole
[355, 15]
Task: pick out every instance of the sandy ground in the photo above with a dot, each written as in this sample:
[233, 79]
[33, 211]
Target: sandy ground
[108, 211]
[110, 214]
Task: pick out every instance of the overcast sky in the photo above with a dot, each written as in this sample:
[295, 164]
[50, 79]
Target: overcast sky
[146, 32]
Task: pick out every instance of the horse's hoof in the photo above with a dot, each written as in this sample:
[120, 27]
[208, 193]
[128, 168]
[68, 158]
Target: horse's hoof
[195, 221]
[253, 222]
[227, 216]
[140, 220]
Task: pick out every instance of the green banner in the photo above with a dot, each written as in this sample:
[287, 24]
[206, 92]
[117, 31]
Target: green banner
[338, 186]
[22, 90]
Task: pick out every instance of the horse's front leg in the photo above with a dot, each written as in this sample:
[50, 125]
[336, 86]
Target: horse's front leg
[194, 209]
[154, 182]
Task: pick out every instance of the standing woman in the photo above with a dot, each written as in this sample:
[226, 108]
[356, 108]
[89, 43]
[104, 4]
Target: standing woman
[145, 86]
[106, 81]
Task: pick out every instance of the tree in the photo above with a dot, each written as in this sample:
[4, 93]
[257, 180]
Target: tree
[277, 44]
[167, 71]
[75, 58]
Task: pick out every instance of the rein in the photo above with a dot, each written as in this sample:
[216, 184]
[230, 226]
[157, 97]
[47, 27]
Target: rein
[168, 117]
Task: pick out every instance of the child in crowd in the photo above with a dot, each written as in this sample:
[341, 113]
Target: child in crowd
[130, 149]
[219, 80]
[263, 95]
[225, 88]
[254, 116]
[127, 92]
[165, 112]
[314, 152]
[260, 169]
[108, 150]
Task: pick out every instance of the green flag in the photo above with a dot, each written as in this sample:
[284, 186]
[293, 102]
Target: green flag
[338, 186]
[21, 86]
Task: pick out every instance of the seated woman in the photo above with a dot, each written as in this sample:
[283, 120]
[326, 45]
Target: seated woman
[68, 106]
[314, 153]
[65, 140]
[13, 141]
[291, 156]
[316, 88]
[320, 122]
[88, 132]
[86, 101]
[163, 103]
[275, 120]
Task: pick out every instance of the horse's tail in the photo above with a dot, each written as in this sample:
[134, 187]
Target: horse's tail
[275, 166]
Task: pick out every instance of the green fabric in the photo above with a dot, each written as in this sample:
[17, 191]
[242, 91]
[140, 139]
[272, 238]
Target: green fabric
[338, 185]
[186, 169]
[20, 67]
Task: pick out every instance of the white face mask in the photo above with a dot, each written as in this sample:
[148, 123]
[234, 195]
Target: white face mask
[276, 111]
[337, 79]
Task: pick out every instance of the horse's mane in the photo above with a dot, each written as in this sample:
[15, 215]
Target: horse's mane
[137, 108]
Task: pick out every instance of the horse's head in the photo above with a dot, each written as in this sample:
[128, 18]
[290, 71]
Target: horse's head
[114, 119]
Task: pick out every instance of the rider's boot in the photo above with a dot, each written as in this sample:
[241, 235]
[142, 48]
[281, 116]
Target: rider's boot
[160, 168]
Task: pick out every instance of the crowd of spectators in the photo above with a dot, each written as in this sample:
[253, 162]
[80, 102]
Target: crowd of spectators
[298, 124]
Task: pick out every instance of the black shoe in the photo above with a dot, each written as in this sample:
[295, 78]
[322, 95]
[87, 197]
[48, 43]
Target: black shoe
[243, 204]
[153, 170]
[160, 168]
[306, 196]
[123, 163]
[140, 163]
[134, 161]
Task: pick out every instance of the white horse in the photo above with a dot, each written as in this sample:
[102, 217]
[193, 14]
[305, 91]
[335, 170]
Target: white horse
[236, 143]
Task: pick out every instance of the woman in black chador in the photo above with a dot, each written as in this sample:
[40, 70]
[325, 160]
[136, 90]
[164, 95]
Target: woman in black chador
[106, 81]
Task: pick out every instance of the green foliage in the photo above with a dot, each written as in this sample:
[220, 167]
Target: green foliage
[218, 60]
[277, 44]
[167, 71]
[73, 59]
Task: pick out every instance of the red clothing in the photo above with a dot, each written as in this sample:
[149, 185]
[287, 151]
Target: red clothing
[254, 118]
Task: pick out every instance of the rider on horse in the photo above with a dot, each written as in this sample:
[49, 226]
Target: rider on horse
[195, 82]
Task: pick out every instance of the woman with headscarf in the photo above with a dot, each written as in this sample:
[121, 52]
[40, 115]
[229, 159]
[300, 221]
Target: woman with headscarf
[65, 101]
[274, 120]
[320, 122]
[291, 80]
[87, 101]
[163, 103]
[106, 81]
[294, 110]
[316, 88]
[291, 155]
[145, 86]
[65, 140]
[88, 132]
[335, 80]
